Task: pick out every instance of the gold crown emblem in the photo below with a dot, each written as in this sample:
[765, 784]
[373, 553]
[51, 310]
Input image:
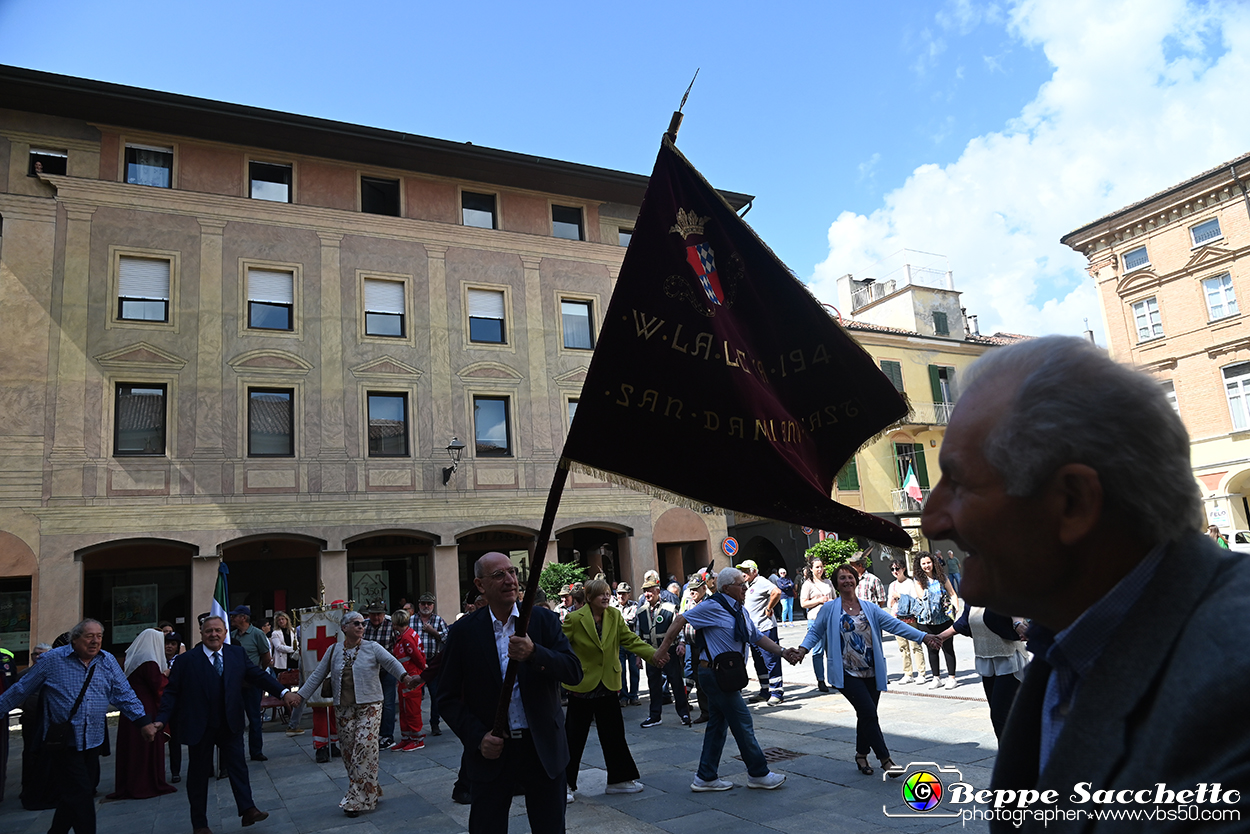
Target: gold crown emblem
[689, 223]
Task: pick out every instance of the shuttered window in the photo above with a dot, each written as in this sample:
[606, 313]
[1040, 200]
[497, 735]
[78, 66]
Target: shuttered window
[848, 477]
[894, 370]
[486, 316]
[384, 307]
[143, 289]
[270, 299]
[911, 454]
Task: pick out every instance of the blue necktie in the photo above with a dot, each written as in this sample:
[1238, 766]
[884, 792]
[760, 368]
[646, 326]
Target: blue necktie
[217, 662]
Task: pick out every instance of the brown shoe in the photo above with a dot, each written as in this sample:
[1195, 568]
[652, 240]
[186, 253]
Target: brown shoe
[254, 815]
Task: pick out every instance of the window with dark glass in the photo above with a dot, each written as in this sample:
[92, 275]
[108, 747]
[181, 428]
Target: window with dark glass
[270, 181]
[142, 289]
[270, 299]
[384, 307]
[578, 331]
[572, 410]
[478, 210]
[270, 422]
[486, 321]
[491, 433]
[148, 165]
[566, 222]
[139, 420]
[379, 196]
[388, 425]
[47, 162]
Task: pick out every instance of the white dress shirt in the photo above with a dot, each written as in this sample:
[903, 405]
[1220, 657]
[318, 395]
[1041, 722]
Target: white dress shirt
[504, 631]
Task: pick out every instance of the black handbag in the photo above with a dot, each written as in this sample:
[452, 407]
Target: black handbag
[60, 735]
[729, 668]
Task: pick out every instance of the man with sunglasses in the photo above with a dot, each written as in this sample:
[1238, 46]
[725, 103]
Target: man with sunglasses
[532, 754]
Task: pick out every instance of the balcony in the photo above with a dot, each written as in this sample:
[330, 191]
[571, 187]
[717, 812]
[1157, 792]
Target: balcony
[929, 414]
[904, 503]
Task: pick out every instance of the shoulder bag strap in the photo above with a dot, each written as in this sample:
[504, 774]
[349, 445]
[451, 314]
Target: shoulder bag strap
[81, 693]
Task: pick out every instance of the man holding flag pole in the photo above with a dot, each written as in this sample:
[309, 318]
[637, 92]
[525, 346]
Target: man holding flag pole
[710, 348]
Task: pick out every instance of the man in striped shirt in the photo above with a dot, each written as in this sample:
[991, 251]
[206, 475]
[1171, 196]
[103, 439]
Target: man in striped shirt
[380, 631]
[433, 632]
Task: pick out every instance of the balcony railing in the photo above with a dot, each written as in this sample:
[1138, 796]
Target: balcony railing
[930, 414]
[904, 503]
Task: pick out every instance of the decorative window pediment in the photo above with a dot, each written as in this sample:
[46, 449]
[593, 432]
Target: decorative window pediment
[141, 355]
[270, 362]
[490, 372]
[385, 367]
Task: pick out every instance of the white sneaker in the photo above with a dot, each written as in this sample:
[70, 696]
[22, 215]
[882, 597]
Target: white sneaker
[906, 679]
[699, 786]
[568, 796]
[950, 682]
[768, 782]
[632, 786]
[937, 683]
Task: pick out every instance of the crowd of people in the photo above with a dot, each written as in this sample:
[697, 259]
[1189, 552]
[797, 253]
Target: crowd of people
[1067, 539]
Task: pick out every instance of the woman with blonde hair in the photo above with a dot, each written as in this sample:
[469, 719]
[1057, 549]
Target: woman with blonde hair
[597, 632]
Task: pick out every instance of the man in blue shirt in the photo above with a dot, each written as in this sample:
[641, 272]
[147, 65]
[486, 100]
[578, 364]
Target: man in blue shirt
[724, 628]
[80, 667]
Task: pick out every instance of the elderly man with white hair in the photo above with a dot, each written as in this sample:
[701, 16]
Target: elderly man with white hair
[723, 633]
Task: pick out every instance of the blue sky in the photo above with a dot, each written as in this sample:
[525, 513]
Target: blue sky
[982, 131]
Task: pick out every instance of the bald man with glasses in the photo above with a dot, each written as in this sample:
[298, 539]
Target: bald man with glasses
[533, 753]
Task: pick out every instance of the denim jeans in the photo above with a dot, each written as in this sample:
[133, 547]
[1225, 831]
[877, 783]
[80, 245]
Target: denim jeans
[728, 712]
[787, 609]
[251, 705]
[390, 692]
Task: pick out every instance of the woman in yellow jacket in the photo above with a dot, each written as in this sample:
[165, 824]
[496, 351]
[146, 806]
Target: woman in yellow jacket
[598, 632]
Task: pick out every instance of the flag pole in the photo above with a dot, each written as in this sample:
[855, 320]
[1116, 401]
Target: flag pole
[549, 517]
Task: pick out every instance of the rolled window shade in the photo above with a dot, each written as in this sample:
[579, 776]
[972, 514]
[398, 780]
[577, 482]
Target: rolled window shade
[143, 278]
[270, 286]
[486, 304]
[384, 296]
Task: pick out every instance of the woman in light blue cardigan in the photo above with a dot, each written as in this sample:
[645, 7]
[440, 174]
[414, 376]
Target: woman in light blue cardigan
[848, 631]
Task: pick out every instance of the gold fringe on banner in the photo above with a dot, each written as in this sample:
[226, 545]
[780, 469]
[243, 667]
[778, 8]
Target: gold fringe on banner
[634, 484]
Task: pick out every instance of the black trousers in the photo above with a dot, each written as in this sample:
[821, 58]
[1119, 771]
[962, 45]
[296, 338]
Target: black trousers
[255, 734]
[200, 771]
[1000, 691]
[521, 767]
[606, 713]
[864, 695]
[948, 649]
[655, 685]
[78, 772]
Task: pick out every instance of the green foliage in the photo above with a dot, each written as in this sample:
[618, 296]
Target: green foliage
[557, 576]
[835, 552]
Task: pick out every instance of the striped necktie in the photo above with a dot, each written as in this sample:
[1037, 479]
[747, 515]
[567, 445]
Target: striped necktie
[217, 662]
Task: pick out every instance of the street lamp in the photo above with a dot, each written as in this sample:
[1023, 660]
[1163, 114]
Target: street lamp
[454, 450]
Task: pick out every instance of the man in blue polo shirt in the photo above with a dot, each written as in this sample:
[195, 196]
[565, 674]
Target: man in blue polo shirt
[723, 627]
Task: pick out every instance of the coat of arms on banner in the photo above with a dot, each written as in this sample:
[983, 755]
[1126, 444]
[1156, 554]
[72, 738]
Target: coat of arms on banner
[319, 630]
[717, 285]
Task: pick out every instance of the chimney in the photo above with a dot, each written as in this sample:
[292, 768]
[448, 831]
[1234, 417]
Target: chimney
[973, 326]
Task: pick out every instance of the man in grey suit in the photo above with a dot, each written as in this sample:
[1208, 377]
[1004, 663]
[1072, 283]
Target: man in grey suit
[1066, 480]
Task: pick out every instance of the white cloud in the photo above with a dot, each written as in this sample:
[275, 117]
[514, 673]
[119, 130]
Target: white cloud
[1144, 94]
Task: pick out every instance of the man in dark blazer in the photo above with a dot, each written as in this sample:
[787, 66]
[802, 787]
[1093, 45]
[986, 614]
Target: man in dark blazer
[1066, 479]
[204, 699]
[535, 752]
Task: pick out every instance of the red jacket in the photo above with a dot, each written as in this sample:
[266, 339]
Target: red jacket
[408, 651]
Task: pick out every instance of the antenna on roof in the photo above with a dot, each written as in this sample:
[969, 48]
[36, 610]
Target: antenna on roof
[674, 124]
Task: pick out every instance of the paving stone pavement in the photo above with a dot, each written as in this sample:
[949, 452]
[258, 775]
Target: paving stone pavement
[824, 792]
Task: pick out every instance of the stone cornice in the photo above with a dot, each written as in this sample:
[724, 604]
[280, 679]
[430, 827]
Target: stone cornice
[326, 221]
[139, 518]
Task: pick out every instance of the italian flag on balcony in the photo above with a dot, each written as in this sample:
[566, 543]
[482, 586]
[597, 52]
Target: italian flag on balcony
[911, 484]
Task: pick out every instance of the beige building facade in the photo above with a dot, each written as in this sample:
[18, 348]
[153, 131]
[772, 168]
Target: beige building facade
[244, 335]
[1172, 273]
